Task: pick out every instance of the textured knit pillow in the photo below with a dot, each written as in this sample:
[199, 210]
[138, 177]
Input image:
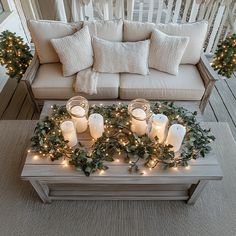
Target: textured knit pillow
[117, 57]
[42, 31]
[137, 31]
[75, 51]
[111, 30]
[166, 52]
[196, 32]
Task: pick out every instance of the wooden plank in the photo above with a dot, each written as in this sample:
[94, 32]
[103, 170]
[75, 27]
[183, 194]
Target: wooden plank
[194, 11]
[221, 111]
[6, 94]
[169, 11]
[119, 172]
[27, 109]
[176, 12]
[215, 29]
[117, 187]
[132, 198]
[231, 83]
[159, 11]
[15, 103]
[186, 9]
[227, 98]
[150, 10]
[209, 114]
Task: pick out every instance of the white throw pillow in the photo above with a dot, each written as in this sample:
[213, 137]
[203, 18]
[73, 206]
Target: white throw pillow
[137, 31]
[75, 51]
[111, 30]
[43, 31]
[117, 57]
[197, 34]
[166, 51]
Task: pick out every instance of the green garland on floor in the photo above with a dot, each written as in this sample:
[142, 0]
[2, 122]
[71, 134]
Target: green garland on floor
[119, 142]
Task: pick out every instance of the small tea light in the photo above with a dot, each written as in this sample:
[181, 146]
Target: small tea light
[69, 133]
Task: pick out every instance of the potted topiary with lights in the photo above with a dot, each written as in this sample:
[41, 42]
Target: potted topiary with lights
[224, 61]
[15, 54]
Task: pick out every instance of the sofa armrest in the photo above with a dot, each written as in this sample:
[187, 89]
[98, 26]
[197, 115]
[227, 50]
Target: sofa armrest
[29, 77]
[206, 71]
[31, 71]
[209, 77]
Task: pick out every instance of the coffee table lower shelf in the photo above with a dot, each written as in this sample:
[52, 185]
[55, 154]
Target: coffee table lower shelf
[168, 185]
[53, 191]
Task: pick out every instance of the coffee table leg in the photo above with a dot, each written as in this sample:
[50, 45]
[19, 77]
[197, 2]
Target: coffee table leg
[42, 190]
[195, 191]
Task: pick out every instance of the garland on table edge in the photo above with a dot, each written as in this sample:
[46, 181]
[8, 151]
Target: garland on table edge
[118, 141]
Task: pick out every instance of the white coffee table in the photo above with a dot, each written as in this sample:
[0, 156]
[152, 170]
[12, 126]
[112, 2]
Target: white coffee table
[54, 181]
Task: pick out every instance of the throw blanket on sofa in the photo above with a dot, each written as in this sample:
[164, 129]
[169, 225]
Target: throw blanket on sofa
[86, 81]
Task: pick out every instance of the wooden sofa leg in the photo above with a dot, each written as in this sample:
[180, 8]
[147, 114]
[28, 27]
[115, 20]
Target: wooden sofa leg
[206, 96]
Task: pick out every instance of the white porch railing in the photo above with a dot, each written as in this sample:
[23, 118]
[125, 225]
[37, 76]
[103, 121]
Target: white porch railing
[219, 13]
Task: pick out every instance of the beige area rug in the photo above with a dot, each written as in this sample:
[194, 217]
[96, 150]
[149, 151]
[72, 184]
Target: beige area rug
[23, 214]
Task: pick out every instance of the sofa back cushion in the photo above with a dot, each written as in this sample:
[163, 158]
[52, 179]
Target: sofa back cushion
[43, 31]
[111, 30]
[118, 57]
[166, 51]
[75, 51]
[137, 31]
[195, 31]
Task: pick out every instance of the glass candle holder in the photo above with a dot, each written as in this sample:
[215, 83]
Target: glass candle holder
[78, 108]
[139, 111]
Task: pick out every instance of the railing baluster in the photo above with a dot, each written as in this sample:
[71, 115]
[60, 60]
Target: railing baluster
[169, 11]
[186, 9]
[176, 12]
[215, 28]
[140, 15]
[150, 10]
[219, 34]
[159, 11]
[194, 11]
[130, 9]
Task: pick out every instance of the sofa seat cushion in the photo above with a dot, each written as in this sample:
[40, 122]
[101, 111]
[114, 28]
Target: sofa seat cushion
[187, 85]
[51, 84]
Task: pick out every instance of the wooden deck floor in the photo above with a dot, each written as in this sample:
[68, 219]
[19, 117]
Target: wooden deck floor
[222, 106]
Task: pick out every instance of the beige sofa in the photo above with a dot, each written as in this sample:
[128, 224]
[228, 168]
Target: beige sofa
[45, 80]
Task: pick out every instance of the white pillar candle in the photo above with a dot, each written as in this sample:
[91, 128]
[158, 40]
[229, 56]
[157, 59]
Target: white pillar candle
[96, 125]
[158, 127]
[138, 125]
[69, 133]
[80, 120]
[175, 136]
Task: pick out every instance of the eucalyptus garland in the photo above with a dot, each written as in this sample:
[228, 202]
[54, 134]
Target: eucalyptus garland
[119, 141]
